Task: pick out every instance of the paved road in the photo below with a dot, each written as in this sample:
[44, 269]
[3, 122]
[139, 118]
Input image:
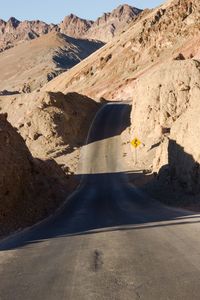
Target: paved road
[110, 241]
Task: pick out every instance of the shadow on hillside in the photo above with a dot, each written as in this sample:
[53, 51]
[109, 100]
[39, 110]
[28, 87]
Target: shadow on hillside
[182, 172]
[84, 48]
[181, 176]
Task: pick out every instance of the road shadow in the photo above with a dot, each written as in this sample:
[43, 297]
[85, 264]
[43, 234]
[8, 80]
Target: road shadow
[109, 201]
[95, 207]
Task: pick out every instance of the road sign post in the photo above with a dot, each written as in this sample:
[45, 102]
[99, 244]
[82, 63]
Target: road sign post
[136, 143]
[136, 155]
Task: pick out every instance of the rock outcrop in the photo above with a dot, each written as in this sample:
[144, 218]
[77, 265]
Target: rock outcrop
[30, 189]
[53, 125]
[167, 101]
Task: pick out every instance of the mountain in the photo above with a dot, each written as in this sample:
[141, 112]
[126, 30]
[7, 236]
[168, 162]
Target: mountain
[30, 65]
[111, 24]
[104, 28]
[14, 31]
[48, 50]
[154, 37]
[75, 26]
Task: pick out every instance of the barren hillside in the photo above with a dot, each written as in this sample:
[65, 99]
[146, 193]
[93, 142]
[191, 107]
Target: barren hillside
[30, 65]
[155, 37]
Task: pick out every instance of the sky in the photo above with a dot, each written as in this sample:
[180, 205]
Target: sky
[53, 11]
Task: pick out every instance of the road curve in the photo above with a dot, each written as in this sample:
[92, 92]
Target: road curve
[110, 241]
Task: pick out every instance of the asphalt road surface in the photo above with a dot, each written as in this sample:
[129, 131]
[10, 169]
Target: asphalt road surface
[110, 241]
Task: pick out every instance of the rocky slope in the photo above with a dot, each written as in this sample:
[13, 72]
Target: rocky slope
[30, 189]
[29, 66]
[104, 28]
[154, 37]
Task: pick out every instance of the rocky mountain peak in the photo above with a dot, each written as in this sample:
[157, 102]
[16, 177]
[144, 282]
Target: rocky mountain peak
[72, 17]
[125, 10]
[2, 22]
[113, 23]
[74, 26]
[13, 22]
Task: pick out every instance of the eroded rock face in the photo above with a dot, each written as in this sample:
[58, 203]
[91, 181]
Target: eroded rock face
[30, 189]
[53, 125]
[57, 123]
[165, 117]
[15, 171]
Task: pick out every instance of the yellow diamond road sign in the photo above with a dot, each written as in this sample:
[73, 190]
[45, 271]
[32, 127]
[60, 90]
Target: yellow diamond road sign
[136, 142]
